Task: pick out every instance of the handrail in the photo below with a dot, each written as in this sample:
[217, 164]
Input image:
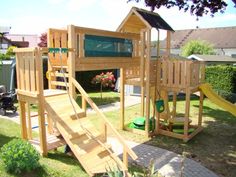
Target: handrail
[94, 106]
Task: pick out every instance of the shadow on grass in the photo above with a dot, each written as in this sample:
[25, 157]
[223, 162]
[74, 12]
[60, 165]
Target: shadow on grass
[5, 139]
[219, 115]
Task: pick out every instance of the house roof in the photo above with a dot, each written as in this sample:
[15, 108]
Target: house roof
[223, 37]
[213, 58]
[138, 19]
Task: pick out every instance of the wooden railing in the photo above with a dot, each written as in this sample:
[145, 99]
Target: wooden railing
[180, 73]
[29, 71]
[107, 124]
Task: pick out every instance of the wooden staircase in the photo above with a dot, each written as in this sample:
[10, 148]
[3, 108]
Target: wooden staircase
[82, 137]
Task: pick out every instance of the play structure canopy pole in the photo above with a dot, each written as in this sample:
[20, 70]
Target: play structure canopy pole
[142, 71]
[148, 50]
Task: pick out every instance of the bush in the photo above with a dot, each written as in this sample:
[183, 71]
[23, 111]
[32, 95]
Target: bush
[19, 156]
[223, 80]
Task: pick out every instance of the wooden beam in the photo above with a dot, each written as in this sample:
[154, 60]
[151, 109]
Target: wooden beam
[71, 58]
[142, 71]
[168, 39]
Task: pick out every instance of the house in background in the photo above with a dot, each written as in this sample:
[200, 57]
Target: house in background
[213, 59]
[5, 43]
[32, 39]
[223, 39]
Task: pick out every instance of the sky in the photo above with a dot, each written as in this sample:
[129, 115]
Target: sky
[36, 16]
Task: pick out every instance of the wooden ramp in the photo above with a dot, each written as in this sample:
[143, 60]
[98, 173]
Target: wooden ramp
[82, 136]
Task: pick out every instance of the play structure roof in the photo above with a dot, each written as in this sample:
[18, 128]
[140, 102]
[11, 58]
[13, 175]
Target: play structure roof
[138, 19]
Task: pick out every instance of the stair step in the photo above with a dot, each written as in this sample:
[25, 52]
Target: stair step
[86, 144]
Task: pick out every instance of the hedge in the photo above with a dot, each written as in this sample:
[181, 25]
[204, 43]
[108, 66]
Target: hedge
[223, 80]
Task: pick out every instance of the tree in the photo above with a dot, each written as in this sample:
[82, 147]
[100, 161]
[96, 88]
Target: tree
[196, 7]
[43, 40]
[197, 47]
[105, 80]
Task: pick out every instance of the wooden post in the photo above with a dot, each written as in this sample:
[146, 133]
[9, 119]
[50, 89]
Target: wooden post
[148, 55]
[50, 44]
[168, 38]
[29, 126]
[142, 71]
[41, 118]
[174, 104]
[201, 99]
[23, 119]
[122, 99]
[71, 58]
[187, 110]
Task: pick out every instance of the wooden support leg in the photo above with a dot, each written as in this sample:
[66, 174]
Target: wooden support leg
[29, 126]
[50, 124]
[23, 120]
[174, 104]
[142, 100]
[42, 130]
[187, 110]
[200, 108]
[122, 99]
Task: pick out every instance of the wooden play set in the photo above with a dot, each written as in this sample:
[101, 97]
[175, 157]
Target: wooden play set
[83, 49]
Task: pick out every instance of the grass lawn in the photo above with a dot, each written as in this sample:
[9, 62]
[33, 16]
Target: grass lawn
[108, 97]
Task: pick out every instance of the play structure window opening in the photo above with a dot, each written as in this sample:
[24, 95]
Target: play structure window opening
[103, 46]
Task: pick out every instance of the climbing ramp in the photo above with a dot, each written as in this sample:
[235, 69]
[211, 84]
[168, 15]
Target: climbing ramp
[208, 91]
[86, 142]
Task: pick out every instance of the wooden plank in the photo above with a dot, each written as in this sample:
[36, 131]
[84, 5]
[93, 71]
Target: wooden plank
[32, 73]
[22, 71]
[27, 72]
[99, 32]
[27, 93]
[18, 57]
[58, 83]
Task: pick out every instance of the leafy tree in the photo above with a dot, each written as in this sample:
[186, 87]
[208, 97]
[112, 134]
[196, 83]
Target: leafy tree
[196, 7]
[43, 40]
[105, 80]
[197, 47]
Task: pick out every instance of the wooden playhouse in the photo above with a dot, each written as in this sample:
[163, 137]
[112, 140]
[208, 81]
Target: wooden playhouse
[83, 49]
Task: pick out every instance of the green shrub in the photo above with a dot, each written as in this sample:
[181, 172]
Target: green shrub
[223, 80]
[197, 47]
[19, 156]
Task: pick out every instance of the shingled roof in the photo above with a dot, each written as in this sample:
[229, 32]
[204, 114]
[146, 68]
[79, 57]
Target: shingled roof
[138, 19]
[223, 37]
